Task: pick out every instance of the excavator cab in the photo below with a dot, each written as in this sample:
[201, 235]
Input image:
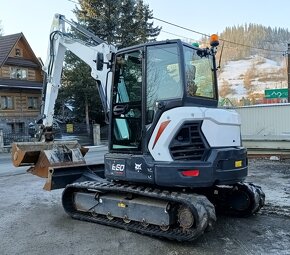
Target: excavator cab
[165, 124]
[153, 78]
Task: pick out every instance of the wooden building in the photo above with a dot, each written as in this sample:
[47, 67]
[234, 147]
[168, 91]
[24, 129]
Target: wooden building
[20, 84]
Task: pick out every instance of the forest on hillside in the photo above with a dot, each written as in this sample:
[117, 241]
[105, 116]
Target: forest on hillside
[252, 39]
[251, 58]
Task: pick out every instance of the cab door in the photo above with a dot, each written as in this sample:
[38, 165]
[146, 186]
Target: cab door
[126, 115]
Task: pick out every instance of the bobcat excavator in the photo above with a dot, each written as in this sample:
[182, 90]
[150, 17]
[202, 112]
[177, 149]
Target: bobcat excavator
[174, 158]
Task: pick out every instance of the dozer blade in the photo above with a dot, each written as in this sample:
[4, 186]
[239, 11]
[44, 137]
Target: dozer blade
[43, 155]
[60, 177]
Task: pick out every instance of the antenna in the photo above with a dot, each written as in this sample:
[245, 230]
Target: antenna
[220, 59]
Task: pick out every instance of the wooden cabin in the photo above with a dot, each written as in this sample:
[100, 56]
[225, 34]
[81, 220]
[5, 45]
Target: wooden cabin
[20, 84]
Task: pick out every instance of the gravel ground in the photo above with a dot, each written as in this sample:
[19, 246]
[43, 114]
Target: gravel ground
[32, 221]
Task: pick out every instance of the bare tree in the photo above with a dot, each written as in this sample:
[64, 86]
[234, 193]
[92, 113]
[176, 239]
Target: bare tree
[248, 78]
[225, 89]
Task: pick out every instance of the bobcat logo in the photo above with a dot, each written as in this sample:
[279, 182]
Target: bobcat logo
[138, 167]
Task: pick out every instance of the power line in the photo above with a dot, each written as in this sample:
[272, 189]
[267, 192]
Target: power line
[252, 47]
[225, 47]
[224, 40]
[203, 34]
[172, 24]
[180, 36]
[73, 1]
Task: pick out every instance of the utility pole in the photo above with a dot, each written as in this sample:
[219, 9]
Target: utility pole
[288, 71]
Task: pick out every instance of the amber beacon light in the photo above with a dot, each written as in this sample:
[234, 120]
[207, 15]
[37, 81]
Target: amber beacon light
[214, 40]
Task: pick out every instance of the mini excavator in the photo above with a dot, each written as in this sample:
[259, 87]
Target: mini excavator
[175, 159]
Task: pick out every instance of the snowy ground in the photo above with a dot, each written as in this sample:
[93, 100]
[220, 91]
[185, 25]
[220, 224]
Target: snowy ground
[32, 221]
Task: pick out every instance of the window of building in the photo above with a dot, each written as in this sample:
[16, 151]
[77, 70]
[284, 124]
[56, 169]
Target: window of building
[18, 73]
[18, 52]
[32, 103]
[6, 103]
[17, 127]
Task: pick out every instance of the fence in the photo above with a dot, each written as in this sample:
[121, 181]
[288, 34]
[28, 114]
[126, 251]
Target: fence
[265, 121]
[76, 131]
[266, 126]
[9, 137]
[85, 135]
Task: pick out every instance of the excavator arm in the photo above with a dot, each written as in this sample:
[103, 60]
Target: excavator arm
[46, 154]
[94, 52]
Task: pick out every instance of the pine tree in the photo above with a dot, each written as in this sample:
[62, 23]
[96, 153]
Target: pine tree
[145, 30]
[254, 35]
[100, 17]
[120, 22]
[80, 89]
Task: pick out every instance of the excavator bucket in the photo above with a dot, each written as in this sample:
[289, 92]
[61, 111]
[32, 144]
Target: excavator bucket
[41, 156]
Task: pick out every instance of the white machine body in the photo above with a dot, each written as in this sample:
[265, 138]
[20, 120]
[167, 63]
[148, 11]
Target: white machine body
[220, 127]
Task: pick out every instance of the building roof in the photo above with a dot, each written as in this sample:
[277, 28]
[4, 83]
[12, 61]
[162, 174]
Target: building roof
[7, 43]
[10, 83]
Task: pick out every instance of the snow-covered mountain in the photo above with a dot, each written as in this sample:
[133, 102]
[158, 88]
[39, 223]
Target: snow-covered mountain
[255, 73]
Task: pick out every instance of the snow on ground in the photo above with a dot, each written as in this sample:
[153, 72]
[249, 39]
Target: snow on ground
[265, 75]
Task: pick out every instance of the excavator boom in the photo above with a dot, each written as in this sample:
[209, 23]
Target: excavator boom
[46, 152]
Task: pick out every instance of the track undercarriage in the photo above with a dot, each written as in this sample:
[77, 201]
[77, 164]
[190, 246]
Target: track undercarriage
[181, 214]
[174, 215]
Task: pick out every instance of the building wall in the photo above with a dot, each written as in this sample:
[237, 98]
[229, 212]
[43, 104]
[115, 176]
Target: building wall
[32, 73]
[22, 111]
[26, 103]
[24, 51]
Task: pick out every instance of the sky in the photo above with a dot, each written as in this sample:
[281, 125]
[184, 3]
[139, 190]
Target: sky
[33, 17]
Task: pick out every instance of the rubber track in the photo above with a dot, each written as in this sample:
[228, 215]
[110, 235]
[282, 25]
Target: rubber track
[201, 208]
[258, 194]
[257, 200]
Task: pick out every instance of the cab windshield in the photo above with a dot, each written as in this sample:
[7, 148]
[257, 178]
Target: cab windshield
[199, 79]
[163, 74]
